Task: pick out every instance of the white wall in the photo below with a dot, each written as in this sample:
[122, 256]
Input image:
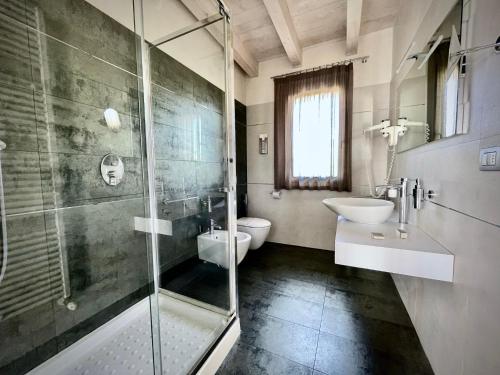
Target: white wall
[412, 103]
[457, 322]
[198, 50]
[377, 71]
[299, 217]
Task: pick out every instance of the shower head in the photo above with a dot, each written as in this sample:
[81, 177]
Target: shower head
[112, 119]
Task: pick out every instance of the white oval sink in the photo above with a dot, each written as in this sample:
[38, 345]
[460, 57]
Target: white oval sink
[361, 210]
[213, 247]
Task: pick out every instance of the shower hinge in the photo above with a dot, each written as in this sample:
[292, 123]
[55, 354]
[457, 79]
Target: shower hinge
[222, 10]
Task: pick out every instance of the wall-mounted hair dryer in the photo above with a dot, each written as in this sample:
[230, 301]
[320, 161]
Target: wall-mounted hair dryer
[393, 132]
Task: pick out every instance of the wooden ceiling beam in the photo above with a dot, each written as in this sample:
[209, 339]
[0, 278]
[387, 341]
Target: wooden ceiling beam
[282, 21]
[354, 8]
[242, 56]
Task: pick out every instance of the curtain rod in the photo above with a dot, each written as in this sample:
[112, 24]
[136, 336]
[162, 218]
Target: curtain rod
[363, 59]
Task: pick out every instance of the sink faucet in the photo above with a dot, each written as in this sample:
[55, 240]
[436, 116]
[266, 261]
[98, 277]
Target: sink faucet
[402, 189]
[403, 201]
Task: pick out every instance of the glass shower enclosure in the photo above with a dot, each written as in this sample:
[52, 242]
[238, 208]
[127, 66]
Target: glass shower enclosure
[117, 196]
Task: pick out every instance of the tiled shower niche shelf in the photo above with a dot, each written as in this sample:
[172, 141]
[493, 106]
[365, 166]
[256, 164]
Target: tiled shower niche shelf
[418, 255]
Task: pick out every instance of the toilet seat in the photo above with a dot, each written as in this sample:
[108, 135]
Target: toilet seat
[257, 228]
[253, 222]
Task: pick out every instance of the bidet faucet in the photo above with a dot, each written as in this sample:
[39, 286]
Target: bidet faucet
[213, 226]
[209, 204]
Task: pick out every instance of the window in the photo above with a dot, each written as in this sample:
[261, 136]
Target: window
[312, 129]
[315, 136]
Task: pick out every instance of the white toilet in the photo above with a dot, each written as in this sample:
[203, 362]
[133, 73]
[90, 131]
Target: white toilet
[257, 228]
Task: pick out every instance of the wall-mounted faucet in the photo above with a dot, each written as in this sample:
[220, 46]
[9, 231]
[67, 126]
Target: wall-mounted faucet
[401, 191]
[402, 195]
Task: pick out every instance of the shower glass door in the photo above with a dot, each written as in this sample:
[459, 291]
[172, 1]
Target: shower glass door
[188, 104]
[117, 243]
[74, 178]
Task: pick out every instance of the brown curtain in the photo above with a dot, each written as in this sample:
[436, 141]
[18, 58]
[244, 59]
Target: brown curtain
[286, 90]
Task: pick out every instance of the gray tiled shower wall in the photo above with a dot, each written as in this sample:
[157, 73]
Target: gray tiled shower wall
[189, 149]
[52, 96]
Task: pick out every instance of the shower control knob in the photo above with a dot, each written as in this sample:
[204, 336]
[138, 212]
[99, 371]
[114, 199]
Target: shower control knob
[112, 169]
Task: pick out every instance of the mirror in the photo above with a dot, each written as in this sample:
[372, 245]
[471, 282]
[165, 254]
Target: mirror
[429, 95]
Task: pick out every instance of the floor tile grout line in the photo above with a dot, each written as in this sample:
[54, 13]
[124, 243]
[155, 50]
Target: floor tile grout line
[396, 325]
[327, 281]
[277, 355]
[331, 278]
[408, 356]
[385, 300]
[289, 277]
[371, 317]
[319, 333]
[273, 290]
[287, 321]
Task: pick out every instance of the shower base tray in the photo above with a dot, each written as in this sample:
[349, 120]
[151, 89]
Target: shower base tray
[123, 346]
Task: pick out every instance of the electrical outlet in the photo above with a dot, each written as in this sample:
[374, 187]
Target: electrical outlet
[489, 159]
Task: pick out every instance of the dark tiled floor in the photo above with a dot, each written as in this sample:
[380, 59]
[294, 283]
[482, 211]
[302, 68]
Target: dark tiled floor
[203, 281]
[302, 314]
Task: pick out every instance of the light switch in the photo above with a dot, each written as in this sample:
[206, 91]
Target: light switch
[491, 158]
[484, 159]
[488, 159]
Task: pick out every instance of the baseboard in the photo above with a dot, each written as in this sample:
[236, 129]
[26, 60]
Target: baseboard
[297, 246]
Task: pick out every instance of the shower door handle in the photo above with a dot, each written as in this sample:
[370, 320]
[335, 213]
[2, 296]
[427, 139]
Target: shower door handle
[144, 224]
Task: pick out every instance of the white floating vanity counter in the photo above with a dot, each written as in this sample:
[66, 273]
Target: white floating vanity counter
[418, 255]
